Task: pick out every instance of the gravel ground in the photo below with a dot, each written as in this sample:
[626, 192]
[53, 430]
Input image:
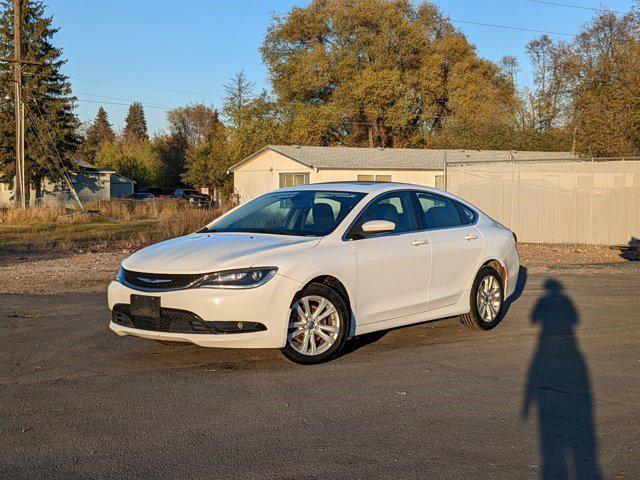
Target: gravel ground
[89, 272]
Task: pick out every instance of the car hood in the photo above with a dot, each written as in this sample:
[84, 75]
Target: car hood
[208, 252]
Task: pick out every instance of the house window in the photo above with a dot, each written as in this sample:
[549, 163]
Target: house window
[293, 179]
[374, 178]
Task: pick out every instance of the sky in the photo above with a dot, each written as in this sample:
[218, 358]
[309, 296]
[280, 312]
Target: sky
[166, 54]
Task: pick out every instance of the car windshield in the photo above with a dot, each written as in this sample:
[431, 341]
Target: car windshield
[305, 212]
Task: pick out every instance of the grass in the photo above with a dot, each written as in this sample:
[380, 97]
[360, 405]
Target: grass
[105, 226]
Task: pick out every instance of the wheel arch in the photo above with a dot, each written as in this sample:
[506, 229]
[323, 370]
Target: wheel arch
[339, 287]
[330, 281]
[499, 267]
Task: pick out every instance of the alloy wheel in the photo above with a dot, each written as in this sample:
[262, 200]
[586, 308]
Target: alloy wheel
[314, 325]
[489, 298]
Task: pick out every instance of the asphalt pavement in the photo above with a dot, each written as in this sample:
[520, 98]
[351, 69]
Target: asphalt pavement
[554, 389]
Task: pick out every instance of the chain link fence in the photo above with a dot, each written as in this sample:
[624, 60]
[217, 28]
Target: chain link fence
[595, 201]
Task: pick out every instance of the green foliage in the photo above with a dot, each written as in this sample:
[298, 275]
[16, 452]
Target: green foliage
[207, 162]
[135, 124]
[137, 160]
[50, 123]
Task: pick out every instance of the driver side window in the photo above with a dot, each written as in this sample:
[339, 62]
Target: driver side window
[396, 207]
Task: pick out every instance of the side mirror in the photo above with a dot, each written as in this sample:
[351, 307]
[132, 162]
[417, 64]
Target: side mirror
[378, 226]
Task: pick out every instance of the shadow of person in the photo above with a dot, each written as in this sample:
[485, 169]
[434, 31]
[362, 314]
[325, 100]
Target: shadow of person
[558, 385]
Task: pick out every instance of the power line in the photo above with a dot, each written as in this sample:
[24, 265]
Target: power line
[507, 27]
[42, 146]
[146, 87]
[125, 104]
[53, 144]
[593, 9]
[119, 98]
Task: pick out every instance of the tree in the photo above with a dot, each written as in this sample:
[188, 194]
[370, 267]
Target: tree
[207, 163]
[99, 132]
[188, 127]
[251, 123]
[252, 120]
[139, 161]
[587, 91]
[383, 73]
[192, 124]
[50, 123]
[603, 67]
[239, 94]
[135, 124]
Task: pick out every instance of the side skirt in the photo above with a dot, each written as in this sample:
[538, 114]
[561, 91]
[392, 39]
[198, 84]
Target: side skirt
[449, 311]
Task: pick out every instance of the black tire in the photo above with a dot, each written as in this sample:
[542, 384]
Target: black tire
[319, 290]
[473, 320]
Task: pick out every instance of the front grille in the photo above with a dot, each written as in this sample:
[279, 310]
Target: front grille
[162, 281]
[171, 320]
[180, 321]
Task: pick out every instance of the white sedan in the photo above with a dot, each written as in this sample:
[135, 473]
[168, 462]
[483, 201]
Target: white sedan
[305, 268]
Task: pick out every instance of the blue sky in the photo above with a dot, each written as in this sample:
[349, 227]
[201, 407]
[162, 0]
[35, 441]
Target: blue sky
[171, 53]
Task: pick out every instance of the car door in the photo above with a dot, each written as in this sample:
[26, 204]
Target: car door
[456, 246]
[393, 267]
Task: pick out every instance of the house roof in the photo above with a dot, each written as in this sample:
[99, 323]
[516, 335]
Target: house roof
[86, 167]
[354, 158]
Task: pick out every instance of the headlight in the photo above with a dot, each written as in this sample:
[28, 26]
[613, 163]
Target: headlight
[245, 278]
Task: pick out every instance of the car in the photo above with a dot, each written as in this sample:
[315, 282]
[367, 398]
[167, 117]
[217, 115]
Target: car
[194, 198]
[304, 268]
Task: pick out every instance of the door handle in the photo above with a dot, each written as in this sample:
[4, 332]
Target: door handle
[417, 243]
[470, 237]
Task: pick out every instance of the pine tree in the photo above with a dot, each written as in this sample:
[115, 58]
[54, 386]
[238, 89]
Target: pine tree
[50, 123]
[135, 125]
[99, 132]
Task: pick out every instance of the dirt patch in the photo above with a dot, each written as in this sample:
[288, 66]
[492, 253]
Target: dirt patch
[59, 273]
[542, 257]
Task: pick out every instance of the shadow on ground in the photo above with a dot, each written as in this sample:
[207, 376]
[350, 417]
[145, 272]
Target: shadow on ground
[558, 386]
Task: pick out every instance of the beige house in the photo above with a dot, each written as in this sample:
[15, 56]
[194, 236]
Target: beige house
[276, 166]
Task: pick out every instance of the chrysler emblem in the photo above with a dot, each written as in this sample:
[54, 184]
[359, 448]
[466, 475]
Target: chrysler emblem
[154, 280]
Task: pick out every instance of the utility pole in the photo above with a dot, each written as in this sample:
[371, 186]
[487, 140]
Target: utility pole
[19, 191]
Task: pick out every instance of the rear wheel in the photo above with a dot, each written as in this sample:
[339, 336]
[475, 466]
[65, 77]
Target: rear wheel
[318, 326]
[487, 300]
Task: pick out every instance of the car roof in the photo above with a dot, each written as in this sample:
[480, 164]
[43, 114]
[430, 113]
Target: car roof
[362, 187]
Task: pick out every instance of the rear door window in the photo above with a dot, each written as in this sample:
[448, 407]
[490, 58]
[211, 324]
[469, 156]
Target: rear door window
[438, 211]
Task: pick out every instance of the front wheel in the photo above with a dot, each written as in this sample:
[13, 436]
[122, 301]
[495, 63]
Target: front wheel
[487, 300]
[318, 326]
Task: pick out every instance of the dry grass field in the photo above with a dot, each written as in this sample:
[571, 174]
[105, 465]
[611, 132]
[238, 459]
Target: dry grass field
[102, 226]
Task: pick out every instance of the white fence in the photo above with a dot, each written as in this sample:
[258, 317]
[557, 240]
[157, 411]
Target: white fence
[556, 201]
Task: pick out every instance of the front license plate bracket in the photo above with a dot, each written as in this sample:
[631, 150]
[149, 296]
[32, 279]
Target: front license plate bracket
[145, 306]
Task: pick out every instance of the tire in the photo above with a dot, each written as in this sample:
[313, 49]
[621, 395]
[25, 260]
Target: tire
[306, 336]
[480, 318]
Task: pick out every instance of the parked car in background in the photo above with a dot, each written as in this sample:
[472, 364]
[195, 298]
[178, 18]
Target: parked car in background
[304, 268]
[141, 196]
[194, 198]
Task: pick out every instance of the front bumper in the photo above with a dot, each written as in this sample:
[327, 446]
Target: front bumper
[268, 304]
